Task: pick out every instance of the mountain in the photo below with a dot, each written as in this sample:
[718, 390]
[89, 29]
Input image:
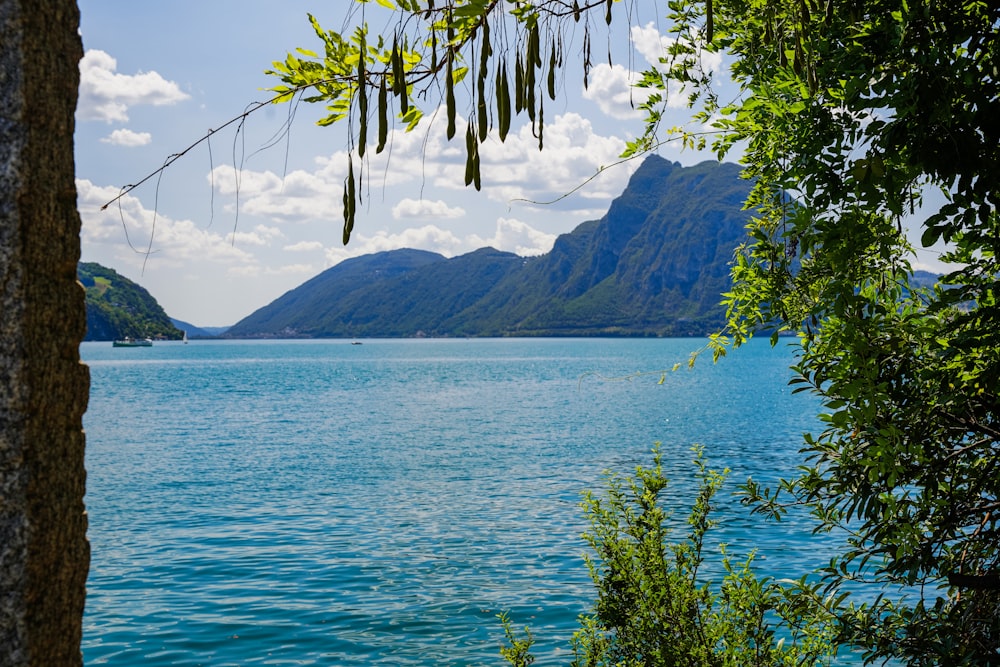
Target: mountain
[330, 301]
[924, 279]
[197, 332]
[117, 307]
[655, 264]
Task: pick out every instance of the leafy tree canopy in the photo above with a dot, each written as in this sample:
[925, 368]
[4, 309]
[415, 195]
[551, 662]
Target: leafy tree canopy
[848, 113]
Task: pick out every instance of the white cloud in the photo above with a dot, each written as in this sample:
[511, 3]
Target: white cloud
[513, 170]
[293, 269]
[304, 246]
[126, 137]
[422, 208]
[256, 270]
[653, 46]
[574, 152]
[611, 89]
[127, 226]
[299, 197]
[510, 236]
[520, 238]
[260, 236]
[107, 95]
[428, 237]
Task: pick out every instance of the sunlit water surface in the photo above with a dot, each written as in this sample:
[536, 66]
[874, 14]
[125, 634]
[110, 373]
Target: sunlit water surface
[322, 503]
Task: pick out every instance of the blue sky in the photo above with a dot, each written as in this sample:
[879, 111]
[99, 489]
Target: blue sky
[157, 76]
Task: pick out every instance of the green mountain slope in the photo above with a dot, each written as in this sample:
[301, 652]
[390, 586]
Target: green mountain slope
[117, 307]
[308, 310]
[655, 264]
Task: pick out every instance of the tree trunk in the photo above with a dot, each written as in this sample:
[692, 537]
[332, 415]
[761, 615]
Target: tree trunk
[44, 553]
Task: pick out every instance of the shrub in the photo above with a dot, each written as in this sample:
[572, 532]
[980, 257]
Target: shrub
[654, 609]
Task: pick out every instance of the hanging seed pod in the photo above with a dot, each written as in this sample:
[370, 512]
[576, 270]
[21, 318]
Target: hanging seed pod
[477, 178]
[383, 115]
[349, 201]
[482, 119]
[362, 101]
[470, 150]
[534, 49]
[541, 122]
[552, 72]
[449, 86]
[404, 100]
[485, 51]
[434, 51]
[503, 103]
[396, 63]
[518, 85]
[533, 61]
[529, 92]
[399, 77]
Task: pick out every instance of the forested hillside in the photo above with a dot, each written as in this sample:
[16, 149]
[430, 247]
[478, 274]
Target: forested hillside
[117, 307]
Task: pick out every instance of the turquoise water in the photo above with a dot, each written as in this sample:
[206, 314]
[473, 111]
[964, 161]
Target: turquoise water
[321, 503]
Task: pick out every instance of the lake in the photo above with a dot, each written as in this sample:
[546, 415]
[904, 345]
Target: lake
[323, 503]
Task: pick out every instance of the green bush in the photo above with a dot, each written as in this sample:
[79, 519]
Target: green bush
[654, 609]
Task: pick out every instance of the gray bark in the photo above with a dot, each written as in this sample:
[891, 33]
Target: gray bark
[44, 553]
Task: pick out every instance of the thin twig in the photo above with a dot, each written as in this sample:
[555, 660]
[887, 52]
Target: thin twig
[255, 106]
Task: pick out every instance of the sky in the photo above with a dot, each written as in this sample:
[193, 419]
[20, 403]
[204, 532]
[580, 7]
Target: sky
[156, 77]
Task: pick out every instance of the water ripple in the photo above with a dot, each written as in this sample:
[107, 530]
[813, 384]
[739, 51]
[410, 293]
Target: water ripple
[316, 503]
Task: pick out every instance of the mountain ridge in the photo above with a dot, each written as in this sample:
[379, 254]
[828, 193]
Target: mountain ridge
[655, 264]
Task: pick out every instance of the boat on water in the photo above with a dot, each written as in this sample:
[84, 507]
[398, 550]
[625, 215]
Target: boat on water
[133, 342]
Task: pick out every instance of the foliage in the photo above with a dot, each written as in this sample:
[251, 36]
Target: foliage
[652, 606]
[117, 307]
[848, 113]
[517, 650]
[503, 56]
